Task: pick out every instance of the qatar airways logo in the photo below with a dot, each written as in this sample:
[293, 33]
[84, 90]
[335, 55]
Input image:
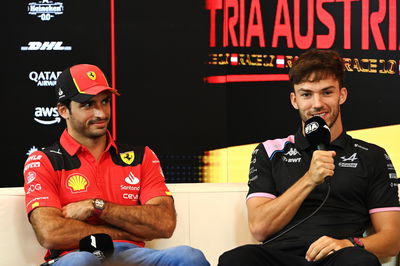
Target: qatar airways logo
[44, 78]
[45, 9]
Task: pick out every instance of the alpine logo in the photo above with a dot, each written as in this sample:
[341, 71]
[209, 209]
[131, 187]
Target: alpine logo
[46, 46]
[349, 162]
[44, 78]
[45, 9]
[47, 115]
[131, 179]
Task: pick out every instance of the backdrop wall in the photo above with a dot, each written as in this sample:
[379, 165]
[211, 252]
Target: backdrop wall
[197, 78]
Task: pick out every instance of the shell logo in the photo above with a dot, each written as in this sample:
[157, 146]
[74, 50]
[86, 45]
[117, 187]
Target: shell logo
[77, 183]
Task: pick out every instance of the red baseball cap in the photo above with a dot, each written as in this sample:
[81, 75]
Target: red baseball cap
[81, 82]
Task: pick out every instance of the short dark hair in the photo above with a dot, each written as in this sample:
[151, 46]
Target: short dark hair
[66, 103]
[321, 63]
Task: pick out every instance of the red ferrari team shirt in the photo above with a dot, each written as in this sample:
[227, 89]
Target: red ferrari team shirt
[67, 172]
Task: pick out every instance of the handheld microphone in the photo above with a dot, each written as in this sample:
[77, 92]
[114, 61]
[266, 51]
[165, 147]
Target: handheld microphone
[100, 245]
[319, 135]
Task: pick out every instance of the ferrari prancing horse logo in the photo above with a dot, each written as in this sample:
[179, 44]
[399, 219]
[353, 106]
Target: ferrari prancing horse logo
[127, 157]
[91, 75]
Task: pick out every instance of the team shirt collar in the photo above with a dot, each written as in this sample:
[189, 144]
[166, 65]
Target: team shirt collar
[302, 143]
[72, 146]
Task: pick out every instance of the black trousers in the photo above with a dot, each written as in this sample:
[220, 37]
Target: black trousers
[254, 255]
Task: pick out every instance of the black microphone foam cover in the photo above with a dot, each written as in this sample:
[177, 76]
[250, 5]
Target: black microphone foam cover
[317, 132]
[101, 245]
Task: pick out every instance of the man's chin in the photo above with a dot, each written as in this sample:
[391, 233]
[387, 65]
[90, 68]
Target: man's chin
[97, 133]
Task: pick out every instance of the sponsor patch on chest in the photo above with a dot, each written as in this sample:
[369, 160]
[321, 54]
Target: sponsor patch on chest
[349, 162]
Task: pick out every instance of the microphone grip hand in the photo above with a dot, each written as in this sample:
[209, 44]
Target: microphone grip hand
[328, 180]
[322, 166]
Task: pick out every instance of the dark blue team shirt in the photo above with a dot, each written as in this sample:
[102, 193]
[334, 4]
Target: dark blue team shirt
[364, 182]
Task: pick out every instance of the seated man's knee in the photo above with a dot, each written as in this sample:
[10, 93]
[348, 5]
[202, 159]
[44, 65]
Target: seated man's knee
[79, 258]
[185, 255]
[357, 257]
[236, 256]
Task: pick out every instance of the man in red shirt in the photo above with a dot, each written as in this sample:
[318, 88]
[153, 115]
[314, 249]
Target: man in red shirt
[87, 184]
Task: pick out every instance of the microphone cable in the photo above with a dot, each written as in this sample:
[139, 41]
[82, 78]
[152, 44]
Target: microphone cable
[327, 181]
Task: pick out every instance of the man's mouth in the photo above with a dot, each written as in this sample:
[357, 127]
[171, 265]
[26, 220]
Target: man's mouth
[319, 114]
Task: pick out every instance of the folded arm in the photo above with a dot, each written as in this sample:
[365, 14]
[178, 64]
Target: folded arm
[54, 231]
[155, 219]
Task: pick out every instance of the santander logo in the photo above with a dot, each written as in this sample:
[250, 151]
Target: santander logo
[131, 179]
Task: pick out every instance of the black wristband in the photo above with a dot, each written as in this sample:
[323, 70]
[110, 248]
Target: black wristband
[356, 242]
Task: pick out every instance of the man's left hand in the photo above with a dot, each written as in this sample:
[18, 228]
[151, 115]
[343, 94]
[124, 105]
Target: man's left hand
[325, 246]
[79, 210]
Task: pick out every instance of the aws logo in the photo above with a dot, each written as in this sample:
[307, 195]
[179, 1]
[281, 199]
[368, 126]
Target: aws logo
[47, 115]
[77, 183]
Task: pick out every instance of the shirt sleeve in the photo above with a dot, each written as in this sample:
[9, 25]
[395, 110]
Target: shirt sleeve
[40, 182]
[383, 190]
[153, 181]
[261, 182]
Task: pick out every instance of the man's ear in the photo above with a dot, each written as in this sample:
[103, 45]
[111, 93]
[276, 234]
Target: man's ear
[62, 110]
[293, 100]
[343, 95]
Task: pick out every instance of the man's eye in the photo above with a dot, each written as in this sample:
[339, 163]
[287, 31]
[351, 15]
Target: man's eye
[105, 101]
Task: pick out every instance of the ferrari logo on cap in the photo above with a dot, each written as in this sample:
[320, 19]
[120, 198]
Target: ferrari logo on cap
[127, 157]
[91, 75]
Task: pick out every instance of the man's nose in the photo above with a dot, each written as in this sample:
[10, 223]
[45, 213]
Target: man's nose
[317, 101]
[99, 112]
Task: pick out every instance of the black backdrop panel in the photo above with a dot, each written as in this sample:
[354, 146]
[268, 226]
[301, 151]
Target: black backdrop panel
[161, 51]
[174, 61]
[37, 51]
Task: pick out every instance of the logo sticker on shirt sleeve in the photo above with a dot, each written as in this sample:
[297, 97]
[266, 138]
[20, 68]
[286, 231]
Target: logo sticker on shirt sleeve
[30, 177]
[127, 157]
[77, 183]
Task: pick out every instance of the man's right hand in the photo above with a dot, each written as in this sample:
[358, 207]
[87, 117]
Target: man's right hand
[321, 166]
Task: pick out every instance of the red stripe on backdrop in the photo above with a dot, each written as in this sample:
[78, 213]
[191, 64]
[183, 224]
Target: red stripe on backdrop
[246, 78]
[113, 100]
